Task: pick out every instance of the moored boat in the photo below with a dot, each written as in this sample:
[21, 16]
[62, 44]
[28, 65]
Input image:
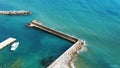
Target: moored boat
[14, 46]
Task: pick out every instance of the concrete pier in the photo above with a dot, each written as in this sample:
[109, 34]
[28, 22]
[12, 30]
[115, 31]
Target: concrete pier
[65, 60]
[13, 12]
[6, 42]
[37, 24]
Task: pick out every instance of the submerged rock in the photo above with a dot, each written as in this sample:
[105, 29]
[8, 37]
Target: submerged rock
[17, 64]
[46, 61]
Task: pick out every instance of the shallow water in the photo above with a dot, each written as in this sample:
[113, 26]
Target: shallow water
[96, 21]
[37, 48]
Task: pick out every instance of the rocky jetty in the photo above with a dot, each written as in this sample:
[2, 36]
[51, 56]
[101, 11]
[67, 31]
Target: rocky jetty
[14, 12]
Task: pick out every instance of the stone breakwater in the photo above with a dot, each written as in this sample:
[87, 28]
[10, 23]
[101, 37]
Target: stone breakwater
[13, 12]
[37, 24]
[65, 60]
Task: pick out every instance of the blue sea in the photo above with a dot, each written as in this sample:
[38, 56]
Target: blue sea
[95, 21]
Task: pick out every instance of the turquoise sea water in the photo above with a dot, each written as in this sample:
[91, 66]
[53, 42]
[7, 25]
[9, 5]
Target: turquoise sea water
[96, 21]
[37, 48]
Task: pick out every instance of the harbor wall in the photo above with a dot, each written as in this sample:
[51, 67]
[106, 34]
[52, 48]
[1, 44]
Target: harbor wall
[65, 60]
[37, 24]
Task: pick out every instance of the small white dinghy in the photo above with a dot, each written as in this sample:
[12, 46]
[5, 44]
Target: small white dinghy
[14, 46]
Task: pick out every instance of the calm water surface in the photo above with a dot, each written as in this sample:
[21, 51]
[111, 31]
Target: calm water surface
[96, 21]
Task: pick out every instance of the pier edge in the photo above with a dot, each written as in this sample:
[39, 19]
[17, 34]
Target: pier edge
[63, 61]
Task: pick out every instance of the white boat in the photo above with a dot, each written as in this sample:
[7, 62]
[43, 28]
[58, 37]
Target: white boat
[14, 46]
